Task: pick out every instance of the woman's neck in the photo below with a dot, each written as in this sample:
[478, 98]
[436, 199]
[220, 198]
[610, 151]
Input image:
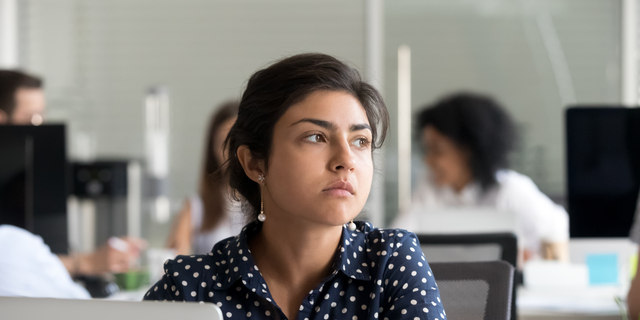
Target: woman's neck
[295, 250]
[294, 257]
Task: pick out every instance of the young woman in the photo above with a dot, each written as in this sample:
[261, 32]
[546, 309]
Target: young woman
[300, 155]
[466, 139]
[210, 215]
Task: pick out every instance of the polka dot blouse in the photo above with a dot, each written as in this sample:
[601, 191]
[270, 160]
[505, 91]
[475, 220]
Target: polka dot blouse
[377, 274]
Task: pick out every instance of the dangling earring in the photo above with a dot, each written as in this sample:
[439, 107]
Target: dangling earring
[352, 226]
[262, 217]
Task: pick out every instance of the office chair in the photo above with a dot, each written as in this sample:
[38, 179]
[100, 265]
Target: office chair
[475, 290]
[474, 248]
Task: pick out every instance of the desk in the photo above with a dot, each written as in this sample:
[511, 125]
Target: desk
[593, 303]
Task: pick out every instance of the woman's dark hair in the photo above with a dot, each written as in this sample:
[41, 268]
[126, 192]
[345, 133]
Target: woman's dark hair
[10, 82]
[478, 124]
[273, 90]
[212, 189]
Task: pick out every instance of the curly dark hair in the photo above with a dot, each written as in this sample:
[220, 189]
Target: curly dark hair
[272, 91]
[477, 123]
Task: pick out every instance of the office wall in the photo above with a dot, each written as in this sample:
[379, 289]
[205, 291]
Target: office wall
[100, 56]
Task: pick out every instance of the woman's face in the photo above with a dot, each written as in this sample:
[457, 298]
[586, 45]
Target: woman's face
[320, 166]
[449, 163]
[218, 140]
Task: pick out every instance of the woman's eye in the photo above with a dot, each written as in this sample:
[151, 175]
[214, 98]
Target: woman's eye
[361, 143]
[315, 138]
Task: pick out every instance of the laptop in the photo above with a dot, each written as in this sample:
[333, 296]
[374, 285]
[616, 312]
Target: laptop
[19, 308]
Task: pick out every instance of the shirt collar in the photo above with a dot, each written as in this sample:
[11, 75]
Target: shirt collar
[234, 260]
[354, 252]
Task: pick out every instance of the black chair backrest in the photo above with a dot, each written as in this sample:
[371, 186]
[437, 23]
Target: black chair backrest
[508, 243]
[475, 290]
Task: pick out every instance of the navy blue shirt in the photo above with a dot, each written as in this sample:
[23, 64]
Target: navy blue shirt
[377, 274]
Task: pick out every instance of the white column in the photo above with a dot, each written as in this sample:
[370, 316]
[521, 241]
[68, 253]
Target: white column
[374, 74]
[630, 52]
[8, 34]
[404, 128]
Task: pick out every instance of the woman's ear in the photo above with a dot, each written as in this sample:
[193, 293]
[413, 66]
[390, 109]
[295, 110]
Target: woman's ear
[252, 166]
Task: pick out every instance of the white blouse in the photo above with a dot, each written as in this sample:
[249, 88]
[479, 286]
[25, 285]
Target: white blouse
[537, 217]
[230, 225]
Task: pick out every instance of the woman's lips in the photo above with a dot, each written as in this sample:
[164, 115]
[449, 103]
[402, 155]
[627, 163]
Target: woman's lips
[340, 189]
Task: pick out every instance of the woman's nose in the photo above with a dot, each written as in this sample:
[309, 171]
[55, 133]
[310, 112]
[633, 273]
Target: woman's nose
[343, 158]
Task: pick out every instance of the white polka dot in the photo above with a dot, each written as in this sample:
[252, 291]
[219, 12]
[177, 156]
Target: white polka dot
[256, 303]
[408, 257]
[229, 314]
[404, 311]
[414, 302]
[187, 267]
[210, 294]
[195, 274]
[193, 293]
[333, 304]
[344, 310]
[395, 283]
[364, 307]
[175, 274]
[184, 283]
[405, 286]
[390, 266]
[267, 313]
[248, 314]
[353, 298]
[207, 267]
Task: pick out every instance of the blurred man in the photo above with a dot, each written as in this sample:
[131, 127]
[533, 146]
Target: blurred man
[24, 259]
[21, 98]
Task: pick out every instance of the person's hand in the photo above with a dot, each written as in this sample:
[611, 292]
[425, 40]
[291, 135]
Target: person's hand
[115, 256]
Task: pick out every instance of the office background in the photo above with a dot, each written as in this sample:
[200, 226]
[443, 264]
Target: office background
[99, 57]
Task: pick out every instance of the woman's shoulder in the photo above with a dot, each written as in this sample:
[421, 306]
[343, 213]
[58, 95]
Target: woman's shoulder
[386, 245]
[510, 179]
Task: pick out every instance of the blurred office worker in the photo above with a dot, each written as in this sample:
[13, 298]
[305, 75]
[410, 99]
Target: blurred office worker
[27, 267]
[210, 215]
[466, 139]
[301, 155]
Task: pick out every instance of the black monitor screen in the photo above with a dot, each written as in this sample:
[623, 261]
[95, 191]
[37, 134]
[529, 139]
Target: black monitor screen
[33, 181]
[603, 170]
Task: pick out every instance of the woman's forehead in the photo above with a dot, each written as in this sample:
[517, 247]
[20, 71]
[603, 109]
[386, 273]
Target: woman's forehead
[339, 108]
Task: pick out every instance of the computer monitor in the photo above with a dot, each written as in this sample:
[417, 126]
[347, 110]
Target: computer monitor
[603, 170]
[33, 182]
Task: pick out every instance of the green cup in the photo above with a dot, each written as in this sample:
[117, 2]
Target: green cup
[132, 280]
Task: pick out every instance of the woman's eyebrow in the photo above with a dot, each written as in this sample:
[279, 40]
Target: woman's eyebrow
[321, 123]
[332, 126]
[358, 127]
